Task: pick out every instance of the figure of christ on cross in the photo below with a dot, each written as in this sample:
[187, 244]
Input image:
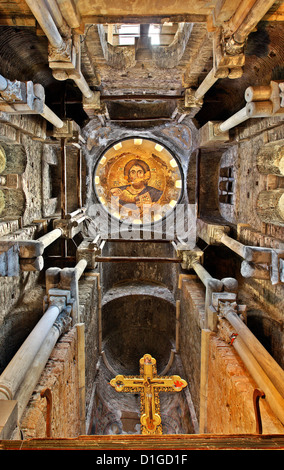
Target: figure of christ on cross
[148, 384]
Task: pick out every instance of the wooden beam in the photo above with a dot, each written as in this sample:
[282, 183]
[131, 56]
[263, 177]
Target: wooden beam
[137, 442]
[133, 97]
[18, 20]
[156, 19]
[141, 119]
[129, 259]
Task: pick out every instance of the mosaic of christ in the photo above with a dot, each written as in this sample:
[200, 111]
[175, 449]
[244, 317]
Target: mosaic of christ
[137, 185]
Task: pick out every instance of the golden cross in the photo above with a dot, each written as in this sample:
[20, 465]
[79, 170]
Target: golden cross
[148, 384]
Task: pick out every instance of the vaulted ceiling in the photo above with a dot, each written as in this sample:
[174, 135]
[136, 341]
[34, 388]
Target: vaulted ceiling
[140, 85]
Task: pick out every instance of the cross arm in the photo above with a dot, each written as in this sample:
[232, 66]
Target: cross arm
[127, 384]
[170, 384]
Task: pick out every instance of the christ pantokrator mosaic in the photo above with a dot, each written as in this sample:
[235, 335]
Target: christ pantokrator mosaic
[138, 182]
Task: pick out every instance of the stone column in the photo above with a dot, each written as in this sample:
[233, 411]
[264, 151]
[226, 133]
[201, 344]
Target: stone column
[25, 391]
[15, 372]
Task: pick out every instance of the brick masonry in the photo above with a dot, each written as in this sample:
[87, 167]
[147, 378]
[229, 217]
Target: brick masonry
[61, 377]
[230, 387]
[230, 395]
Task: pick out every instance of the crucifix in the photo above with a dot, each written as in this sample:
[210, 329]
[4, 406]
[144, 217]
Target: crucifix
[148, 384]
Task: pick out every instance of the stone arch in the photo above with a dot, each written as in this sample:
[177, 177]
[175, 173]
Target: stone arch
[137, 319]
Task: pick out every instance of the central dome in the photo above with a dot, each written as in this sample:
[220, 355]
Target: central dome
[138, 181]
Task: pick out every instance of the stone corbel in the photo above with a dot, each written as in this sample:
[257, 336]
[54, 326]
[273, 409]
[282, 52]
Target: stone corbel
[25, 98]
[264, 265]
[225, 290]
[61, 298]
[191, 104]
[218, 298]
[228, 56]
[210, 137]
[20, 255]
[67, 65]
[71, 225]
[62, 60]
[22, 98]
[65, 282]
[189, 257]
[88, 250]
[211, 233]
[94, 104]
[25, 254]
[70, 130]
[259, 262]
[231, 47]
[226, 302]
[223, 308]
[222, 301]
[59, 291]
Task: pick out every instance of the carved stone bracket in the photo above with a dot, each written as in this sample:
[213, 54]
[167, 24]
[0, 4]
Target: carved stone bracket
[22, 98]
[71, 225]
[210, 137]
[62, 60]
[94, 104]
[190, 105]
[228, 56]
[66, 64]
[211, 233]
[272, 270]
[222, 303]
[189, 257]
[63, 321]
[88, 250]
[70, 130]
[58, 297]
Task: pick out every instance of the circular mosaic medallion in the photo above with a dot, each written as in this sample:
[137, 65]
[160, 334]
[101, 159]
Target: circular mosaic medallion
[138, 181]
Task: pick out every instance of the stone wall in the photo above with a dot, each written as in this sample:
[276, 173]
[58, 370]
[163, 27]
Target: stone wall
[89, 294]
[119, 413]
[230, 395]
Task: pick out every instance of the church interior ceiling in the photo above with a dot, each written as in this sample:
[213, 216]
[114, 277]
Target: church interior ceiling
[126, 79]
